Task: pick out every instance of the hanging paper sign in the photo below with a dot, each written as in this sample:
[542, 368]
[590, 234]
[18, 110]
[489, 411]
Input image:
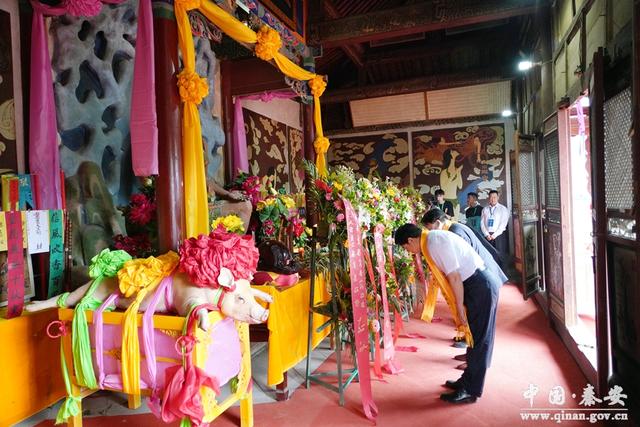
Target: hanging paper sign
[25, 198]
[38, 231]
[56, 256]
[387, 337]
[359, 305]
[15, 265]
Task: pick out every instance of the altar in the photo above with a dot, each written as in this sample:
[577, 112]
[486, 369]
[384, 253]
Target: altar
[286, 329]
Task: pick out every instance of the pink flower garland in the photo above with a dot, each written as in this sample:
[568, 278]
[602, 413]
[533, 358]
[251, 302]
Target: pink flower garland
[202, 258]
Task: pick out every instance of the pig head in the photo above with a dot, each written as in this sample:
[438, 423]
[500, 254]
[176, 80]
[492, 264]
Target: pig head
[238, 302]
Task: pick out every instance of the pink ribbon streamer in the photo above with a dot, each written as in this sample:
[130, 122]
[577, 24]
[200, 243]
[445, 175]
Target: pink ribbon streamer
[359, 304]
[148, 335]
[98, 333]
[143, 118]
[44, 158]
[15, 265]
[390, 365]
[239, 149]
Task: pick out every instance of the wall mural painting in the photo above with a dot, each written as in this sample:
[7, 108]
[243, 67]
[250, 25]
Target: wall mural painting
[384, 155]
[8, 138]
[267, 149]
[460, 161]
[296, 155]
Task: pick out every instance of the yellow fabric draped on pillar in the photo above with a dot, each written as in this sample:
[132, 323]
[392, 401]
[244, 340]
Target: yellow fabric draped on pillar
[439, 282]
[268, 44]
[192, 90]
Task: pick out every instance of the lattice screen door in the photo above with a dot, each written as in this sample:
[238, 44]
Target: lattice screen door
[526, 216]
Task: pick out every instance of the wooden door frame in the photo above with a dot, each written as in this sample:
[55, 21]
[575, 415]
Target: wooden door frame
[596, 78]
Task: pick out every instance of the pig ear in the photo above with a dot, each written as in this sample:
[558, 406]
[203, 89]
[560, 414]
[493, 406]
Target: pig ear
[225, 278]
[261, 295]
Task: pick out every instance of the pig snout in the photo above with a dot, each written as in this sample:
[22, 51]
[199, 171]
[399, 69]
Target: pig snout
[259, 314]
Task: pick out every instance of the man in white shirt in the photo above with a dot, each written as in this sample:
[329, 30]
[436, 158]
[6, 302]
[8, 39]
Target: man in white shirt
[475, 288]
[495, 218]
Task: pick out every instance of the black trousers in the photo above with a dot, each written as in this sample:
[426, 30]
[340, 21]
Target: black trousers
[501, 243]
[481, 300]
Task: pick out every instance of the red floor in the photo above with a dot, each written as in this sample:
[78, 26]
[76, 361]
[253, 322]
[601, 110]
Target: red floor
[527, 352]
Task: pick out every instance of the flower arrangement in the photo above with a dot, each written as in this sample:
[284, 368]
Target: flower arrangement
[140, 222]
[249, 185]
[375, 201]
[230, 223]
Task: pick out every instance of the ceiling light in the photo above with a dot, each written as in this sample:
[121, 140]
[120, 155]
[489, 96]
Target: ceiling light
[507, 113]
[525, 65]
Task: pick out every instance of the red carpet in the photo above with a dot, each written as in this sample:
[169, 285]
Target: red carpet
[527, 352]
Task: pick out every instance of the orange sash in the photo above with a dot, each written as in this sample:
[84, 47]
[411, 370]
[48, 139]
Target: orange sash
[439, 282]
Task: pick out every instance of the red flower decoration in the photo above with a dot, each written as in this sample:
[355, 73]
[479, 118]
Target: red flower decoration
[136, 246]
[202, 258]
[323, 186]
[141, 210]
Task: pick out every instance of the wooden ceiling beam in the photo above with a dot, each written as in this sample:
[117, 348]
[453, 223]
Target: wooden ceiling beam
[414, 18]
[354, 52]
[421, 84]
[495, 40]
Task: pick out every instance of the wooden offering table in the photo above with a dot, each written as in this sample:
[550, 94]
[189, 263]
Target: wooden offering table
[286, 329]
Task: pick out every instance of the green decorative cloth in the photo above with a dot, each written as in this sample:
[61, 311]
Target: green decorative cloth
[62, 300]
[106, 264]
[71, 405]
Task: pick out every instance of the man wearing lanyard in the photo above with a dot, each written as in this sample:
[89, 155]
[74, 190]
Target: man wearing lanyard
[495, 218]
[473, 212]
[461, 274]
[442, 204]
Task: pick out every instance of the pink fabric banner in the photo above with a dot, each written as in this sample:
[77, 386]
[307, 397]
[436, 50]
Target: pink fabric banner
[377, 361]
[98, 334]
[15, 264]
[390, 364]
[359, 304]
[143, 118]
[239, 148]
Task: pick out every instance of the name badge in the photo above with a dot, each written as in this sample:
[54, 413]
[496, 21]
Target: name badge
[490, 222]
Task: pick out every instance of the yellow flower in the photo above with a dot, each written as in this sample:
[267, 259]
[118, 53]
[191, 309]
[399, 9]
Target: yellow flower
[261, 205]
[270, 201]
[391, 192]
[346, 243]
[192, 87]
[268, 43]
[231, 223]
[338, 186]
[288, 202]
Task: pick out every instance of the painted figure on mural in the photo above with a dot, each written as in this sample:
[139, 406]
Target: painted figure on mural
[459, 161]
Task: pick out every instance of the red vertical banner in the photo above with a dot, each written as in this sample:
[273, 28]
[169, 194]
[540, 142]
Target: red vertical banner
[15, 264]
[359, 304]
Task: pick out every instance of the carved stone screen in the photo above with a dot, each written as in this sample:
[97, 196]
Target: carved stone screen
[384, 155]
[618, 154]
[460, 161]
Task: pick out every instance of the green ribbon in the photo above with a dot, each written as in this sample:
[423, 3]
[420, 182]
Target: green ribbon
[106, 264]
[62, 300]
[71, 405]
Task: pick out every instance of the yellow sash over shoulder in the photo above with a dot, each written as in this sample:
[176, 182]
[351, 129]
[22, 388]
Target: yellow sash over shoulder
[439, 282]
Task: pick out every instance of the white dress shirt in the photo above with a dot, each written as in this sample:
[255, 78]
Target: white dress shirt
[500, 216]
[451, 253]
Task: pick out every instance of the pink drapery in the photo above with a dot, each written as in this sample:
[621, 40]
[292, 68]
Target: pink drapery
[144, 121]
[44, 158]
[239, 149]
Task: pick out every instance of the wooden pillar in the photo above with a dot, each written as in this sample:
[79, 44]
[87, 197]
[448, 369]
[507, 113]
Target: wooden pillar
[309, 155]
[227, 112]
[169, 185]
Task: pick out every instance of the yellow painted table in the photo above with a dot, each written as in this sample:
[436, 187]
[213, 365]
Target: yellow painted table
[288, 323]
[30, 378]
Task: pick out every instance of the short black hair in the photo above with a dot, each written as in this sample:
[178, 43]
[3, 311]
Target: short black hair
[471, 193]
[432, 216]
[404, 232]
[438, 192]
[494, 191]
